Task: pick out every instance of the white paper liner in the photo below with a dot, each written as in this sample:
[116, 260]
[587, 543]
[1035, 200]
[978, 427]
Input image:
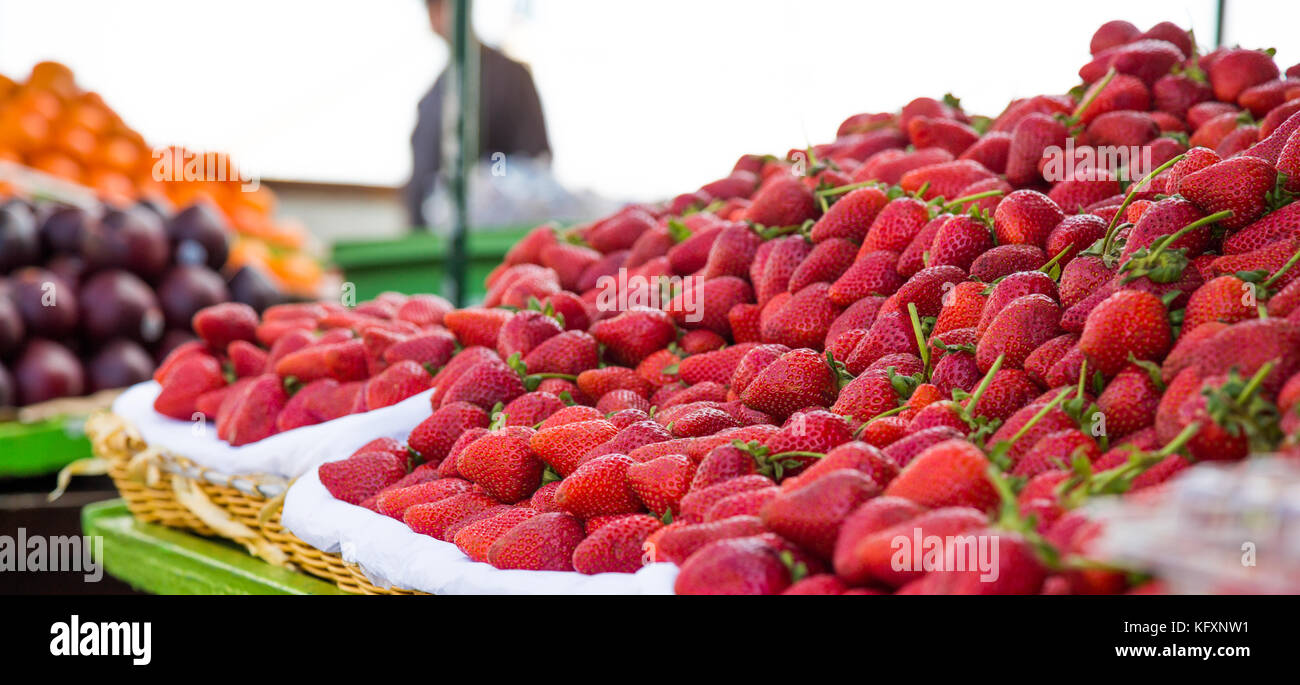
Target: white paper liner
[392, 555]
[288, 454]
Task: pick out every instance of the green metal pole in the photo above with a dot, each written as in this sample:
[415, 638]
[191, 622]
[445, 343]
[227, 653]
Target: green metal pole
[1222, 10]
[460, 119]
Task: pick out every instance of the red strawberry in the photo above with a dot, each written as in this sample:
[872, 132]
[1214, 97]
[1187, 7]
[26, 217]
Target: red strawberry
[246, 358]
[433, 437]
[616, 547]
[1075, 233]
[1031, 136]
[1026, 216]
[798, 379]
[476, 538]
[780, 264]
[345, 361]
[503, 464]
[1056, 450]
[1176, 93]
[905, 450]
[1017, 330]
[1012, 287]
[855, 455]
[732, 252]
[872, 273]
[253, 411]
[743, 320]
[221, 324]
[738, 566]
[477, 325]
[1274, 227]
[395, 500]
[396, 383]
[697, 502]
[1146, 59]
[660, 483]
[828, 260]
[990, 151]
[810, 516]
[1004, 260]
[569, 261]
[633, 335]
[946, 179]
[424, 310]
[464, 360]
[431, 350]
[524, 331]
[531, 408]
[1238, 69]
[361, 475]
[1288, 161]
[700, 340]
[570, 352]
[599, 487]
[544, 542]
[188, 378]
[913, 258]
[692, 253]
[1239, 184]
[804, 320]
[953, 136]
[563, 446]
[485, 384]
[718, 366]
[748, 503]
[896, 225]
[1129, 401]
[850, 216]
[868, 546]
[1113, 34]
[704, 304]
[783, 202]
[1129, 322]
[597, 382]
[949, 474]
[959, 242]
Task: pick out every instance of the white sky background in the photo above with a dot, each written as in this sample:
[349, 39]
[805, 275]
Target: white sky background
[643, 100]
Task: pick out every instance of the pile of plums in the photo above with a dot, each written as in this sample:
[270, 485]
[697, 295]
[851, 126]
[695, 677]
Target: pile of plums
[92, 299]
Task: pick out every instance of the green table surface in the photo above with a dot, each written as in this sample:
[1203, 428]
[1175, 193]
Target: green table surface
[42, 448]
[167, 561]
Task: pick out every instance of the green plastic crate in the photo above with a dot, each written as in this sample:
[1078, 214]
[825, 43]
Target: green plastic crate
[416, 263]
[37, 449]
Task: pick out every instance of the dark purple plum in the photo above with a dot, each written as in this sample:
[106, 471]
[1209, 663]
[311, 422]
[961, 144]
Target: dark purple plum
[199, 235]
[64, 230]
[252, 287]
[47, 370]
[8, 393]
[119, 363]
[19, 242]
[132, 239]
[46, 302]
[72, 268]
[12, 328]
[117, 304]
[186, 289]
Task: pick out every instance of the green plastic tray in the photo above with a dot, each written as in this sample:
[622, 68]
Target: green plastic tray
[417, 263]
[166, 561]
[37, 449]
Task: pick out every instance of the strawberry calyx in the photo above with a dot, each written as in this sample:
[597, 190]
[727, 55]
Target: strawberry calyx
[548, 309]
[291, 385]
[1128, 200]
[921, 345]
[532, 380]
[1279, 196]
[999, 453]
[857, 432]
[838, 370]
[773, 466]
[1238, 408]
[1009, 518]
[798, 570]
[1052, 268]
[1160, 263]
[678, 230]
[957, 204]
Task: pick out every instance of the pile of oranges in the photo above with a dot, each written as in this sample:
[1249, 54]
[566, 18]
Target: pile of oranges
[50, 124]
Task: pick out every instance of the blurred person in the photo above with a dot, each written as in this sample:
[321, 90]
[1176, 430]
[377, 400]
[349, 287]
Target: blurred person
[510, 116]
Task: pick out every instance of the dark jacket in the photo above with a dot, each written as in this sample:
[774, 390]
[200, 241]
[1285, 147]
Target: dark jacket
[510, 121]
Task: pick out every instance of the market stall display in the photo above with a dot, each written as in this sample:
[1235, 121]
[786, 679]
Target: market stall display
[938, 325]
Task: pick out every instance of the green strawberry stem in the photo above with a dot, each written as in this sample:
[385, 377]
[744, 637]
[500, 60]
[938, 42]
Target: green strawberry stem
[968, 198]
[840, 190]
[920, 192]
[1128, 200]
[884, 414]
[1047, 268]
[809, 455]
[1085, 103]
[920, 338]
[1253, 386]
[1282, 271]
[1038, 416]
[979, 389]
[1162, 244]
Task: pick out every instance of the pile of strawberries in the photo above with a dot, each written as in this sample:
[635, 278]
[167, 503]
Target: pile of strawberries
[302, 364]
[923, 328]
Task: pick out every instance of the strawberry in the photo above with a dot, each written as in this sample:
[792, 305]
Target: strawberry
[530, 409]
[569, 353]
[463, 361]
[743, 320]
[706, 303]
[1288, 162]
[804, 320]
[254, 409]
[1129, 401]
[597, 382]
[1212, 133]
[889, 166]
[1026, 216]
[633, 335]
[896, 225]
[1012, 287]
[692, 253]
[697, 502]
[431, 350]
[990, 152]
[868, 545]
[1017, 330]
[718, 366]
[850, 216]
[1146, 59]
[503, 464]
[1030, 138]
[433, 437]
[616, 547]
[246, 359]
[1239, 184]
[1176, 93]
[563, 446]
[544, 542]
[618, 400]
[698, 421]
[1272, 228]
[222, 324]
[737, 566]
[890, 334]
[345, 361]
[599, 487]
[783, 202]
[524, 331]
[475, 539]
[396, 383]
[956, 370]
[424, 310]
[748, 503]
[1220, 299]
[188, 378]
[872, 273]
[953, 136]
[1019, 571]
[568, 261]
[732, 252]
[946, 179]
[394, 501]
[1237, 70]
[828, 260]
[950, 473]
[1056, 450]
[485, 384]
[700, 340]
[1113, 34]
[477, 325]
[1004, 260]
[799, 378]
[859, 315]
[362, 475]
[1075, 234]
[810, 516]
[913, 257]
[660, 483]
[1128, 323]
[782, 260]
